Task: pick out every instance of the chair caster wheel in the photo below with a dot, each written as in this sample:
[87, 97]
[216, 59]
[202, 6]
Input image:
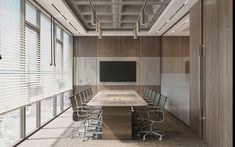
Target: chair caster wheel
[160, 138]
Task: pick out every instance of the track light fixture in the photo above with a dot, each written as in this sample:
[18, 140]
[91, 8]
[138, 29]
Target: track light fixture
[93, 18]
[138, 26]
[135, 33]
[142, 18]
[100, 33]
[97, 25]
[95, 21]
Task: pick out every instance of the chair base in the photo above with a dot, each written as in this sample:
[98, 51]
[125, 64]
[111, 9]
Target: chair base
[151, 133]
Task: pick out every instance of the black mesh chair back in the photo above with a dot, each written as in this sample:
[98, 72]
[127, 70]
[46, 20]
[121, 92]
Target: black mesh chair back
[152, 96]
[90, 92]
[82, 96]
[157, 98]
[73, 102]
[162, 102]
[149, 93]
[146, 90]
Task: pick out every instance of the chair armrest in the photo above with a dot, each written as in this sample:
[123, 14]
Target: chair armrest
[152, 107]
[155, 112]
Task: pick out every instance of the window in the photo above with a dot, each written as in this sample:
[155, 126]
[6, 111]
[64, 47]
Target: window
[32, 62]
[31, 14]
[68, 61]
[9, 128]
[59, 64]
[66, 99]
[48, 70]
[30, 118]
[46, 110]
[59, 103]
[36, 65]
[13, 87]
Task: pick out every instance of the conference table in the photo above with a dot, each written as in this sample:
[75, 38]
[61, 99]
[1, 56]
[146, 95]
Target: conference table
[117, 112]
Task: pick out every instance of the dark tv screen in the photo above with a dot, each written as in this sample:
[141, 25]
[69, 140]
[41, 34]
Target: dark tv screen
[117, 71]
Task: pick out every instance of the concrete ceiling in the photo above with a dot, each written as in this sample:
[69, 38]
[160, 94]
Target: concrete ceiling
[117, 15]
[173, 12]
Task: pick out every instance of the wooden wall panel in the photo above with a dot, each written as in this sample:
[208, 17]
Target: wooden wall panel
[85, 46]
[175, 46]
[226, 73]
[108, 46]
[195, 42]
[217, 38]
[149, 46]
[128, 47]
[118, 47]
[211, 42]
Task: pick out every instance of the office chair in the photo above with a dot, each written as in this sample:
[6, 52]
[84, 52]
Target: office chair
[139, 123]
[150, 117]
[148, 94]
[89, 117]
[79, 115]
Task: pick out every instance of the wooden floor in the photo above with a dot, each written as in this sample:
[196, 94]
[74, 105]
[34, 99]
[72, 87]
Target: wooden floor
[56, 134]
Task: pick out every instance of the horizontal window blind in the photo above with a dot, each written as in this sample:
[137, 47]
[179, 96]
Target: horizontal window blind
[68, 61]
[27, 69]
[13, 87]
[48, 70]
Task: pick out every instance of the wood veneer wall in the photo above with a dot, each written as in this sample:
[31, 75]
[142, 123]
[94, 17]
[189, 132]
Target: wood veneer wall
[123, 47]
[195, 42]
[217, 38]
[217, 71]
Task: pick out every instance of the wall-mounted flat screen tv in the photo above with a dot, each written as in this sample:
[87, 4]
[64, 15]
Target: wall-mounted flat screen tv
[117, 71]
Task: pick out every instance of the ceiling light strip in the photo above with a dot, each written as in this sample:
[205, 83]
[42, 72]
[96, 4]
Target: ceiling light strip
[172, 16]
[73, 26]
[64, 17]
[179, 26]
